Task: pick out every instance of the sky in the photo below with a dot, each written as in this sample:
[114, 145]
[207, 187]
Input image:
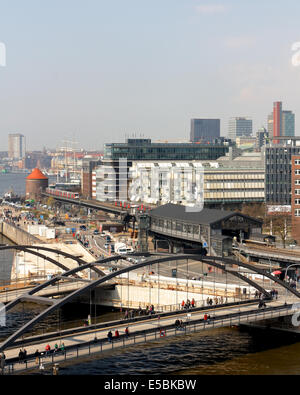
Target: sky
[98, 71]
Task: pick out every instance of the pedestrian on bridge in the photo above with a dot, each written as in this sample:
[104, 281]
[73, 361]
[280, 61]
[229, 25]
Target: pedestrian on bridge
[25, 355]
[127, 332]
[37, 357]
[109, 336]
[21, 356]
[62, 348]
[48, 349]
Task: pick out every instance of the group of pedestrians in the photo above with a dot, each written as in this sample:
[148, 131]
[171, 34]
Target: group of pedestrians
[216, 301]
[274, 293]
[110, 336]
[129, 314]
[188, 304]
[207, 318]
[179, 324]
[23, 355]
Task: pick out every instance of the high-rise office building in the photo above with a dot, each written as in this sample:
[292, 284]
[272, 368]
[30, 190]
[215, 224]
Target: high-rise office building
[281, 123]
[288, 123]
[16, 146]
[205, 130]
[239, 127]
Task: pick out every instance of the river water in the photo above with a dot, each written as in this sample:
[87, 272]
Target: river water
[12, 181]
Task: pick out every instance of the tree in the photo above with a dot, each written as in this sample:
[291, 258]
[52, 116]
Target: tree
[279, 226]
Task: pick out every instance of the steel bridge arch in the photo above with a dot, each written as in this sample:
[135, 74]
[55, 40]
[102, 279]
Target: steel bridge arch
[31, 249]
[149, 262]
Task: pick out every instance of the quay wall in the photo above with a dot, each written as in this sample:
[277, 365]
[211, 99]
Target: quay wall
[17, 235]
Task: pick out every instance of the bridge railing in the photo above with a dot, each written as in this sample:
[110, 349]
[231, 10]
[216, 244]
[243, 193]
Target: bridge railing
[97, 346]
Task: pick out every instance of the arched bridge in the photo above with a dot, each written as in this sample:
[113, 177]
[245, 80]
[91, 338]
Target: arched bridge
[224, 264]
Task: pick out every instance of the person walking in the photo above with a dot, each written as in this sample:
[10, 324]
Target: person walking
[127, 332]
[21, 356]
[25, 355]
[47, 349]
[109, 336]
[62, 348]
[37, 357]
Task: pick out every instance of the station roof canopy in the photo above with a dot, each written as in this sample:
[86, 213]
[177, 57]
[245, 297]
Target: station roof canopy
[205, 216]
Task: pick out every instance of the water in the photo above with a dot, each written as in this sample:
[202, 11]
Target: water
[218, 352]
[14, 181]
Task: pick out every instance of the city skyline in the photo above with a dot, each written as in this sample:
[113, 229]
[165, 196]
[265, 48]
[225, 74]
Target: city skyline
[97, 72]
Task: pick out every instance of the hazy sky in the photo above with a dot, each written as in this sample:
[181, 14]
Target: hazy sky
[95, 70]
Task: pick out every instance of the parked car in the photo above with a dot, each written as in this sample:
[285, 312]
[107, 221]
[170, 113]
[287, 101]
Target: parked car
[82, 227]
[96, 232]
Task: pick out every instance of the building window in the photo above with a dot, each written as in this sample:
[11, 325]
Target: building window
[297, 172]
[297, 161]
[297, 201]
[297, 213]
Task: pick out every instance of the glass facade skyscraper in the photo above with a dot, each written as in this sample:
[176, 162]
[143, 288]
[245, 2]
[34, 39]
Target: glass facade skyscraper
[144, 149]
[288, 123]
[205, 130]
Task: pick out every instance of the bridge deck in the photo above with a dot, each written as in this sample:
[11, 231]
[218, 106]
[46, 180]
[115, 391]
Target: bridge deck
[221, 317]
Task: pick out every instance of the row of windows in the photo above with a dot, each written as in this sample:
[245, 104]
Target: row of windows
[234, 176]
[221, 195]
[236, 185]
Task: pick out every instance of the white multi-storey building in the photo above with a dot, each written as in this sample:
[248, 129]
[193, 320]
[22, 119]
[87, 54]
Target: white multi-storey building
[230, 179]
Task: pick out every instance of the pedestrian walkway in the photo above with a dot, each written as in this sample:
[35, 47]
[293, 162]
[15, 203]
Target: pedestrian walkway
[150, 330]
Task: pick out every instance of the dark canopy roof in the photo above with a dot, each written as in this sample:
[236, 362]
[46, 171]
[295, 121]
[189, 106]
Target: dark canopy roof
[205, 216]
